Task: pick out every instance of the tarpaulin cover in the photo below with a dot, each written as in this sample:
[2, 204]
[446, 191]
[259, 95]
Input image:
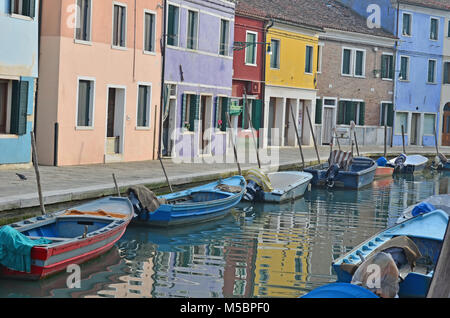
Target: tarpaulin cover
[15, 249]
[381, 162]
[423, 208]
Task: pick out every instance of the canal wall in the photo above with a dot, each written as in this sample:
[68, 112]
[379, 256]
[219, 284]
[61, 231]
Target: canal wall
[64, 187]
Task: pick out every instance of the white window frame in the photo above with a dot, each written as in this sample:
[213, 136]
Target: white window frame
[89, 42]
[319, 57]
[364, 63]
[147, 11]
[187, 28]
[434, 71]
[423, 124]
[149, 106]
[410, 24]
[407, 69]
[386, 113]
[437, 28]
[399, 128]
[25, 17]
[179, 26]
[312, 59]
[351, 67]
[229, 36]
[92, 98]
[256, 48]
[9, 83]
[118, 47]
[393, 66]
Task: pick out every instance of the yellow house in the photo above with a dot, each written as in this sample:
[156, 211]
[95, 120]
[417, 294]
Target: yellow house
[291, 78]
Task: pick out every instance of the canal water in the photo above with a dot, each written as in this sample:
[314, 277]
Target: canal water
[257, 251]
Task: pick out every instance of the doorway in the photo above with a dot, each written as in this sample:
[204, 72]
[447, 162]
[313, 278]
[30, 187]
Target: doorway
[206, 124]
[115, 121]
[3, 106]
[446, 126]
[415, 124]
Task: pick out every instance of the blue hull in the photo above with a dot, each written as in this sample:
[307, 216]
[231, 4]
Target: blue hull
[361, 174]
[205, 203]
[426, 231]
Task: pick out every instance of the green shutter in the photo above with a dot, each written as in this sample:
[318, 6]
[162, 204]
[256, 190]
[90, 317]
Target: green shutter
[257, 114]
[346, 62]
[225, 109]
[319, 106]
[183, 109]
[362, 114]
[244, 113]
[390, 115]
[384, 59]
[446, 66]
[216, 112]
[341, 113]
[193, 116]
[383, 113]
[32, 8]
[19, 108]
[349, 113]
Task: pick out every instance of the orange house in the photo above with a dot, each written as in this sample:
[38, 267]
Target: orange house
[99, 85]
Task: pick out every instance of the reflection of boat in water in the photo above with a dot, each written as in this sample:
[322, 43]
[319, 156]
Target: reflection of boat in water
[293, 206]
[98, 272]
[170, 239]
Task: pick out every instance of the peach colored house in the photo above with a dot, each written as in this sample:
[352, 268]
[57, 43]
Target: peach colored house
[100, 81]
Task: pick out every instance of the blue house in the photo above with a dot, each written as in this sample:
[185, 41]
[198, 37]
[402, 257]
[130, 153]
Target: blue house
[18, 74]
[419, 25]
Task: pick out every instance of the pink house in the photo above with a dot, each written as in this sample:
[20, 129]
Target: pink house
[100, 81]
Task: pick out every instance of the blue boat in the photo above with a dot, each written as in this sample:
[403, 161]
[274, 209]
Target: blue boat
[424, 234]
[200, 204]
[360, 173]
[408, 164]
[435, 202]
[340, 290]
[441, 163]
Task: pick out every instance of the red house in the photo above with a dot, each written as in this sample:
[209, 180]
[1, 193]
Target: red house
[249, 67]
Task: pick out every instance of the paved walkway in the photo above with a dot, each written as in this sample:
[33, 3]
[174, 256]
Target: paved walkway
[65, 184]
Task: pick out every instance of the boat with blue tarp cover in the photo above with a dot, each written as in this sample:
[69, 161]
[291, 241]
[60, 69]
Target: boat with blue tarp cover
[414, 247]
[340, 290]
[408, 164]
[45, 245]
[200, 204]
[343, 171]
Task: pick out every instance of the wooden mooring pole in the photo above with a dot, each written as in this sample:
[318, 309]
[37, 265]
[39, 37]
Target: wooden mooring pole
[385, 140]
[298, 136]
[116, 185]
[234, 145]
[403, 139]
[36, 170]
[440, 284]
[313, 135]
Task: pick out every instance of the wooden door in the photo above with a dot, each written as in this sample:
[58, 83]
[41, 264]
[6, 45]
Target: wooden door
[328, 125]
[203, 112]
[414, 129]
[446, 127]
[111, 111]
[3, 106]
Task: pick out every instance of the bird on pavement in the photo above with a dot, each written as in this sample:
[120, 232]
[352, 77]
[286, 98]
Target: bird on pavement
[21, 176]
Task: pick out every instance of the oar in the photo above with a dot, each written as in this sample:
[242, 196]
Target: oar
[234, 145]
[36, 170]
[298, 136]
[117, 187]
[165, 173]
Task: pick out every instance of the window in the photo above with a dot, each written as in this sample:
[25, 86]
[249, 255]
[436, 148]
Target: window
[387, 114]
[83, 27]
[360, 68]
[149, 32]
[275, 58]
[429, 124]
[404, 68]
[223, 104]
[250, 50]
[407, 24]
[448, 29]
[434, 29]
[401, 119]
[387, 66]
[446, 72]
[224, 37]
[24, 7]
[319, 58]
[173, 25]
[346, 62]
[432, 71]
[191, 106]
[143, 109]
[349, 111]
[119, 26]
[13, 107]
[309, 59]
[85, 103]
[192, 30]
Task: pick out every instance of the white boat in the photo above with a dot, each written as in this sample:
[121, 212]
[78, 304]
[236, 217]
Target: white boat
[438, 202]
[276, 187]
[408, 164]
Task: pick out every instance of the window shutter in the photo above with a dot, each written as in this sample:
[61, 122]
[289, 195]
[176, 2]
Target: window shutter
[256, 114]
[19, 108]
[183, 110]
[341, 113]
[349, 113]
[384, 59]
[319, 106]
[446, 65]
[32, 8]
[383, 110]
[362, 114]
[12, 3]
[216, 112]
[225, 109]
[390, 115]
[194, 111]
[244, 113]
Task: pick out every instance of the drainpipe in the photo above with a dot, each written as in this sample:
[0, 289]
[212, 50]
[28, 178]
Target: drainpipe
[267, 26]
[163, 68]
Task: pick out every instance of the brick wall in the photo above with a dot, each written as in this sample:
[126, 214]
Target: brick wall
[370, 89]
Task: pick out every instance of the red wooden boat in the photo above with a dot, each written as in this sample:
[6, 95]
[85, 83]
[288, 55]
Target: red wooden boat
[75, 236]
[383, 172]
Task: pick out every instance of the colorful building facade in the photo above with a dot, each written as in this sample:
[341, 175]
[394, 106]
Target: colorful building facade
[444, 122]
[18, 72]
[99, 89]
[198, 77]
